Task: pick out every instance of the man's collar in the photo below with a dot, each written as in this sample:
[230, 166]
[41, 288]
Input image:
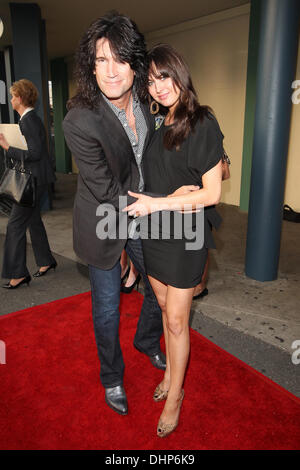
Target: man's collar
[135, 102]
[25, 112]
[115, 108]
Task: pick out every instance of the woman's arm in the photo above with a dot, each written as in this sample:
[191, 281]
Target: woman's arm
[209, 195]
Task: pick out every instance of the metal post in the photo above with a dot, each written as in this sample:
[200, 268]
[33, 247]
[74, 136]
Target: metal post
[279, 36]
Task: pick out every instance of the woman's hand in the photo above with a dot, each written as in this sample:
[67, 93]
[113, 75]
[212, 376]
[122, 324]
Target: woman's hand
[3, 142]
[143, 206]
[147, 205]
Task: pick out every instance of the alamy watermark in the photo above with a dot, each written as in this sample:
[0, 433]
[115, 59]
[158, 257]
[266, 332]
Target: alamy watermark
[186, 224]
[296, 94]
[2, 352]
[296, 353]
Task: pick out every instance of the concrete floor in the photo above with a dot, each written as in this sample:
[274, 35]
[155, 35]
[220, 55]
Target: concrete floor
[257, 322]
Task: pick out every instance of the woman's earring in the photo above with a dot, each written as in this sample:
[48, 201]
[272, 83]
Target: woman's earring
[154, 107]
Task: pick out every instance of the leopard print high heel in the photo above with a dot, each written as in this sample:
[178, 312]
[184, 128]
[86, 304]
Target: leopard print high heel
[159, 394]
[164, 429]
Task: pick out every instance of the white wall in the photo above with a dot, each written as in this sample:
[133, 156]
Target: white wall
[216, 50]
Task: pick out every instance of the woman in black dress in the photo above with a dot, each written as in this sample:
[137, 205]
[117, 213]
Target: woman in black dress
[37, 161]
[186, 150]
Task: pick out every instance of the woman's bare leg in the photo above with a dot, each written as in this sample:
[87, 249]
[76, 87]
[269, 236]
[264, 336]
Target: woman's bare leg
[178, 305]
[123, 263]
[160, 291]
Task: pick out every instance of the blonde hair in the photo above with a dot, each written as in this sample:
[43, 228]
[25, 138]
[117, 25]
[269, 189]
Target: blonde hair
[26, 90]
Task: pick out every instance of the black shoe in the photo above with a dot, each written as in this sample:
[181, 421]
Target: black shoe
[42, 273]
[158, 361]
[127, 290]
[26, 280]
[202, 294]
[115, 398]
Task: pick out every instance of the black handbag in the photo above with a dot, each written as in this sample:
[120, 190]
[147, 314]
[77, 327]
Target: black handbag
[18, 185]
[5, 206]
[225, 166]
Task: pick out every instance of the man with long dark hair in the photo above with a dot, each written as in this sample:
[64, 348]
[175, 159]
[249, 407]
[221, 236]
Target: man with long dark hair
[107, 129]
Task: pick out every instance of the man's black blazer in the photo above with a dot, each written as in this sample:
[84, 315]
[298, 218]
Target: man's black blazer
[107, 170]
[36, 158]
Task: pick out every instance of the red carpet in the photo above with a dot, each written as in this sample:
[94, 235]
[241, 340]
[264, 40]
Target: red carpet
[51, 397]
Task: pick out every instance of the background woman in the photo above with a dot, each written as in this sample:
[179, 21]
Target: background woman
[186, 150]
[36, 158]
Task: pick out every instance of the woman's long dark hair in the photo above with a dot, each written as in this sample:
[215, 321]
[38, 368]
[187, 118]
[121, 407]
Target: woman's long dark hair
[164, 61]
[127, 45]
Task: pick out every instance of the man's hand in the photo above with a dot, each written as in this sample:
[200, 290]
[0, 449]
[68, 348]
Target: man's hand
[3, 142]
[184, 190]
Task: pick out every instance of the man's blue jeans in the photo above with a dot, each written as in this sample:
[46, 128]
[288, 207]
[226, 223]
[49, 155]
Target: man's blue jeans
[105, 286]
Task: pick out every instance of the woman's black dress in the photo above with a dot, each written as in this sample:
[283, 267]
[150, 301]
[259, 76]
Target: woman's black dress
[169, 260]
